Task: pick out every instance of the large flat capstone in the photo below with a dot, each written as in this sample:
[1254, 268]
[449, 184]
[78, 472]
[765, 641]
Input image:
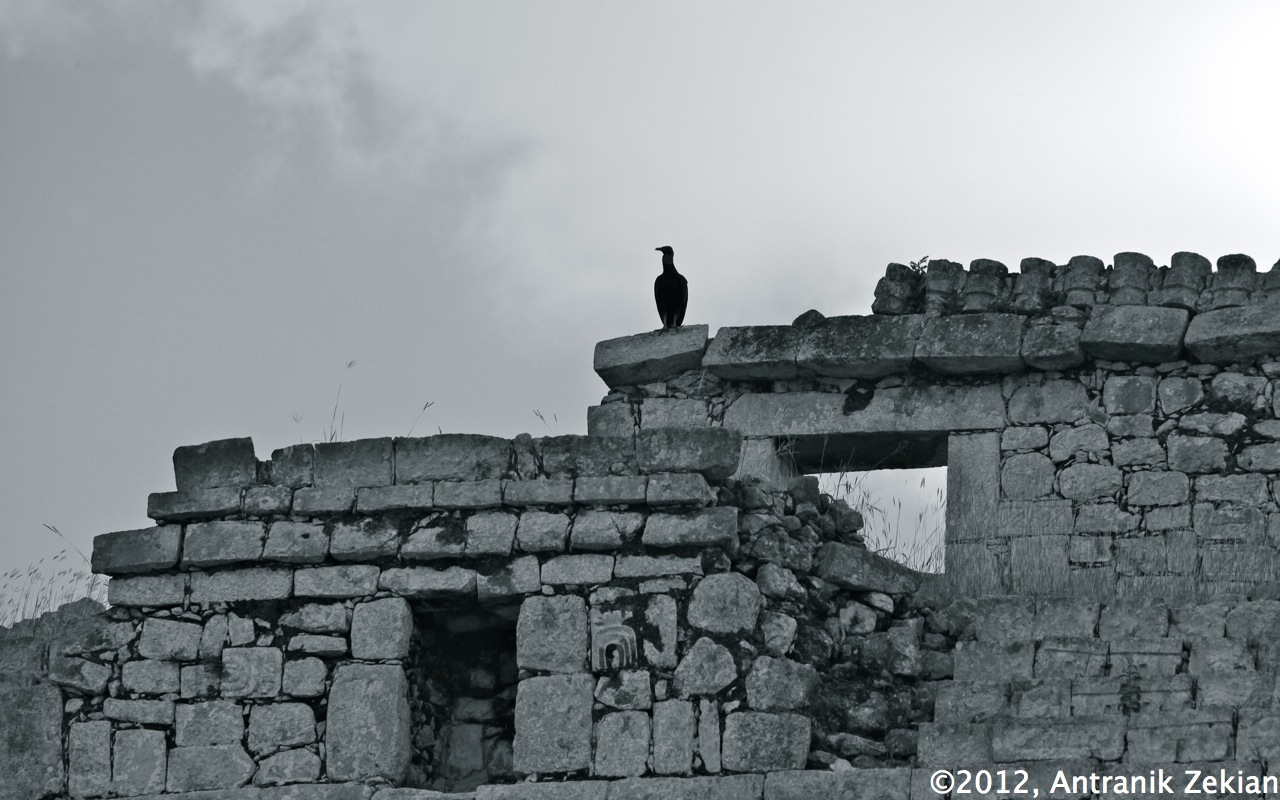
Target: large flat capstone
[861, 346]
[972, 343]
[759, 352]
[647, 357]
[903, 409]
[1235, 334]
[225, 462]
[368, 723]
[1149, 334]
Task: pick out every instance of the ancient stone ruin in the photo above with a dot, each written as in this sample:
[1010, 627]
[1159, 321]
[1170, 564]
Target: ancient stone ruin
[669, 607]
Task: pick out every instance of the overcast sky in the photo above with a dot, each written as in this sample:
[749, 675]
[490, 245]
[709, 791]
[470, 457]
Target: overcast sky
[208, 209]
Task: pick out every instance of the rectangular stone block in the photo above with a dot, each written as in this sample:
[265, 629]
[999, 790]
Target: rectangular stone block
[882, 784]
[759, 741]
[1147, 334]
[468, 494]
[141, 712]
[257, 583]
[971, 701]
[672, 412]
[367, 730]
[310, 502]
[914, 409]
[953, 744]
[225, 462]
[364, 539]
[1228, 335]
[1234, 561]
[262, 501]
[673, 729]
[861, 346]
[31, 742]
[355, 580]
[552, 634]
[973, 485]
[972, 570]
[375, 499]
[147, 590]
[428, 582]
[756, 353]
[554, 492]
[212, 544]
[569, 456]
[358, 463]
[1146, 656]
[577, 569]
[966, 344]
[994, 661]
[678, 489]
[713, 452]
[138, 762]
[1189, 736]
[1071, 657]
[88, 758]
[1122, 696]
[1038, 565]
[712, 527]
[1020, 519]
[1003, 619]
[611, 419]
[292, 466]
[201, 504]
[553, 723]
[519, 577]
[145, 550]
[296, 542]
[726, 787]
[862, 570]
[1229, 524]
[648, 357]
[568, 790]
[452, 457]
[610, 490]
[1058, 739]
[654, 566]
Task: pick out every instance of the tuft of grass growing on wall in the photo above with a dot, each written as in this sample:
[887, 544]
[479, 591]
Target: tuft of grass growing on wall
[45, 586]
[916, 541]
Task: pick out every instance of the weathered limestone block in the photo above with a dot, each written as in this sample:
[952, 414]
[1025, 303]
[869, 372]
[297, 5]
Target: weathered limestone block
[705, 670]
[954, 744]
[628, 690]
[1129, 394]
[31, 743]
[1234, 334]
[1137, 452]
[1179, 394]
[1197, 453]
[199, 681]
[491, 533]
[452, 457]
[713, 452]
[604, 530]
[758, 352]
[251, 671]
[972, 343]
[1104, 518]
[211, 544]
[374, 499]
[553, 723]
[1259, 734]
[349, 580]
[361, 462]
[1084, 439]
[437, 536]
[678, 489]
[1036, 518]
[147, 590]
[994, 661]
[552, 634]
[1071, 657]
[367, 730]
[609, 490]
[517, 577]
[709, 734]
[1026, 476]
[1240, 489]
[1052, 401]
[468, 494]
[296, 542]
[622, 744]
[728, 787]
[672, 412]
[1133, 620]
[145, 550]
[569, 790]
[88, 759]
[577, 569]
[706, 528]
[916, 409]
[1114, 696]
[883, 784]
[542, 531]
[757, 741]
[138, 762]
[971, 701]
[304, 677]
[291, 466]
[1261, 457]
[861, 346]
[648, 357]
[1241, 392]
[169, 640]
[1209, 655]
[973, 480]
[1200, 735]
[225, 462]
[570, 456]
[673, 728]
[208, 723]
[1158, 488]
[1147, 656]
[310, 502]
[150, 677]
[278, 725]
[861, 570]
[326, 646]
[776, 684]
[1089, 481]
[196, 769]
[1147, 334]
[381, 629]
[265, 500]
[1052, 347]
[428, 582]
[203, 504]
[998, 619]
[288, 766]
[656, 566]
[142, 712]
[257, 583]
[725, 603]
[1058, 739]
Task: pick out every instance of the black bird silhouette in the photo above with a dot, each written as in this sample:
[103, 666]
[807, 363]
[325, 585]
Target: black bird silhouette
[671, 291]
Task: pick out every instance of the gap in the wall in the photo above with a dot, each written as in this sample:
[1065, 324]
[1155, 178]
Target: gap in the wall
[904, 511]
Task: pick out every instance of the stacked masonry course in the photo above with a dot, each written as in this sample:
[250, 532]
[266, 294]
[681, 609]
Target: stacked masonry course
[666, 608]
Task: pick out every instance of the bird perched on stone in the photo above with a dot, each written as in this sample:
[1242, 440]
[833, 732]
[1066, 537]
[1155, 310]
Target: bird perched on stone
[671, 290]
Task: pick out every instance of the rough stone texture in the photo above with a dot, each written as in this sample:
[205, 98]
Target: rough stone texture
[713, 452]
[1197, 453]
[360, 462]
[629, 689]
[882, 784]
[519, 577]
[225, 462]
[138, 762]
[776, 684]
[367, 730]
[296, 542]
[196, 769]
[708, 527]
[1052, 401]
[288, 766]
[211, 544]
[577, 569]
[208, 723]
[257, 583]
[542, 531]
[150, 677]
[725, 603]
[622, 744]
[552, 634]
[757, 741]
[292, 466]
[1089, 481]
[278, 725]
[452, 457]
[673, 730]
[1026, 476]
[304, 677]
[553, 492]
[180, 506]
[972, 343]
[381, 629]
[169, 640]
[861, 346]
[707, 668]
[145, 550]
[603, 530]
[729, 787]
[355, 580]
[972, 488]
[147, 590]
[860, 569]
[31, 742]
[88, 761]
[429, 582]
[364, 539]
[1234, 334]
[553, 723]
[647, 357]
[1149, 334]
[571, 790]
[758, 352]
[251, 671]
[491, 533]
[1052, 347]
[266, 500]
[142, 712]
[917, 409]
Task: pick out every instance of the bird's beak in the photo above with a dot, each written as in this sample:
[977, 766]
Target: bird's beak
[657, 248]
